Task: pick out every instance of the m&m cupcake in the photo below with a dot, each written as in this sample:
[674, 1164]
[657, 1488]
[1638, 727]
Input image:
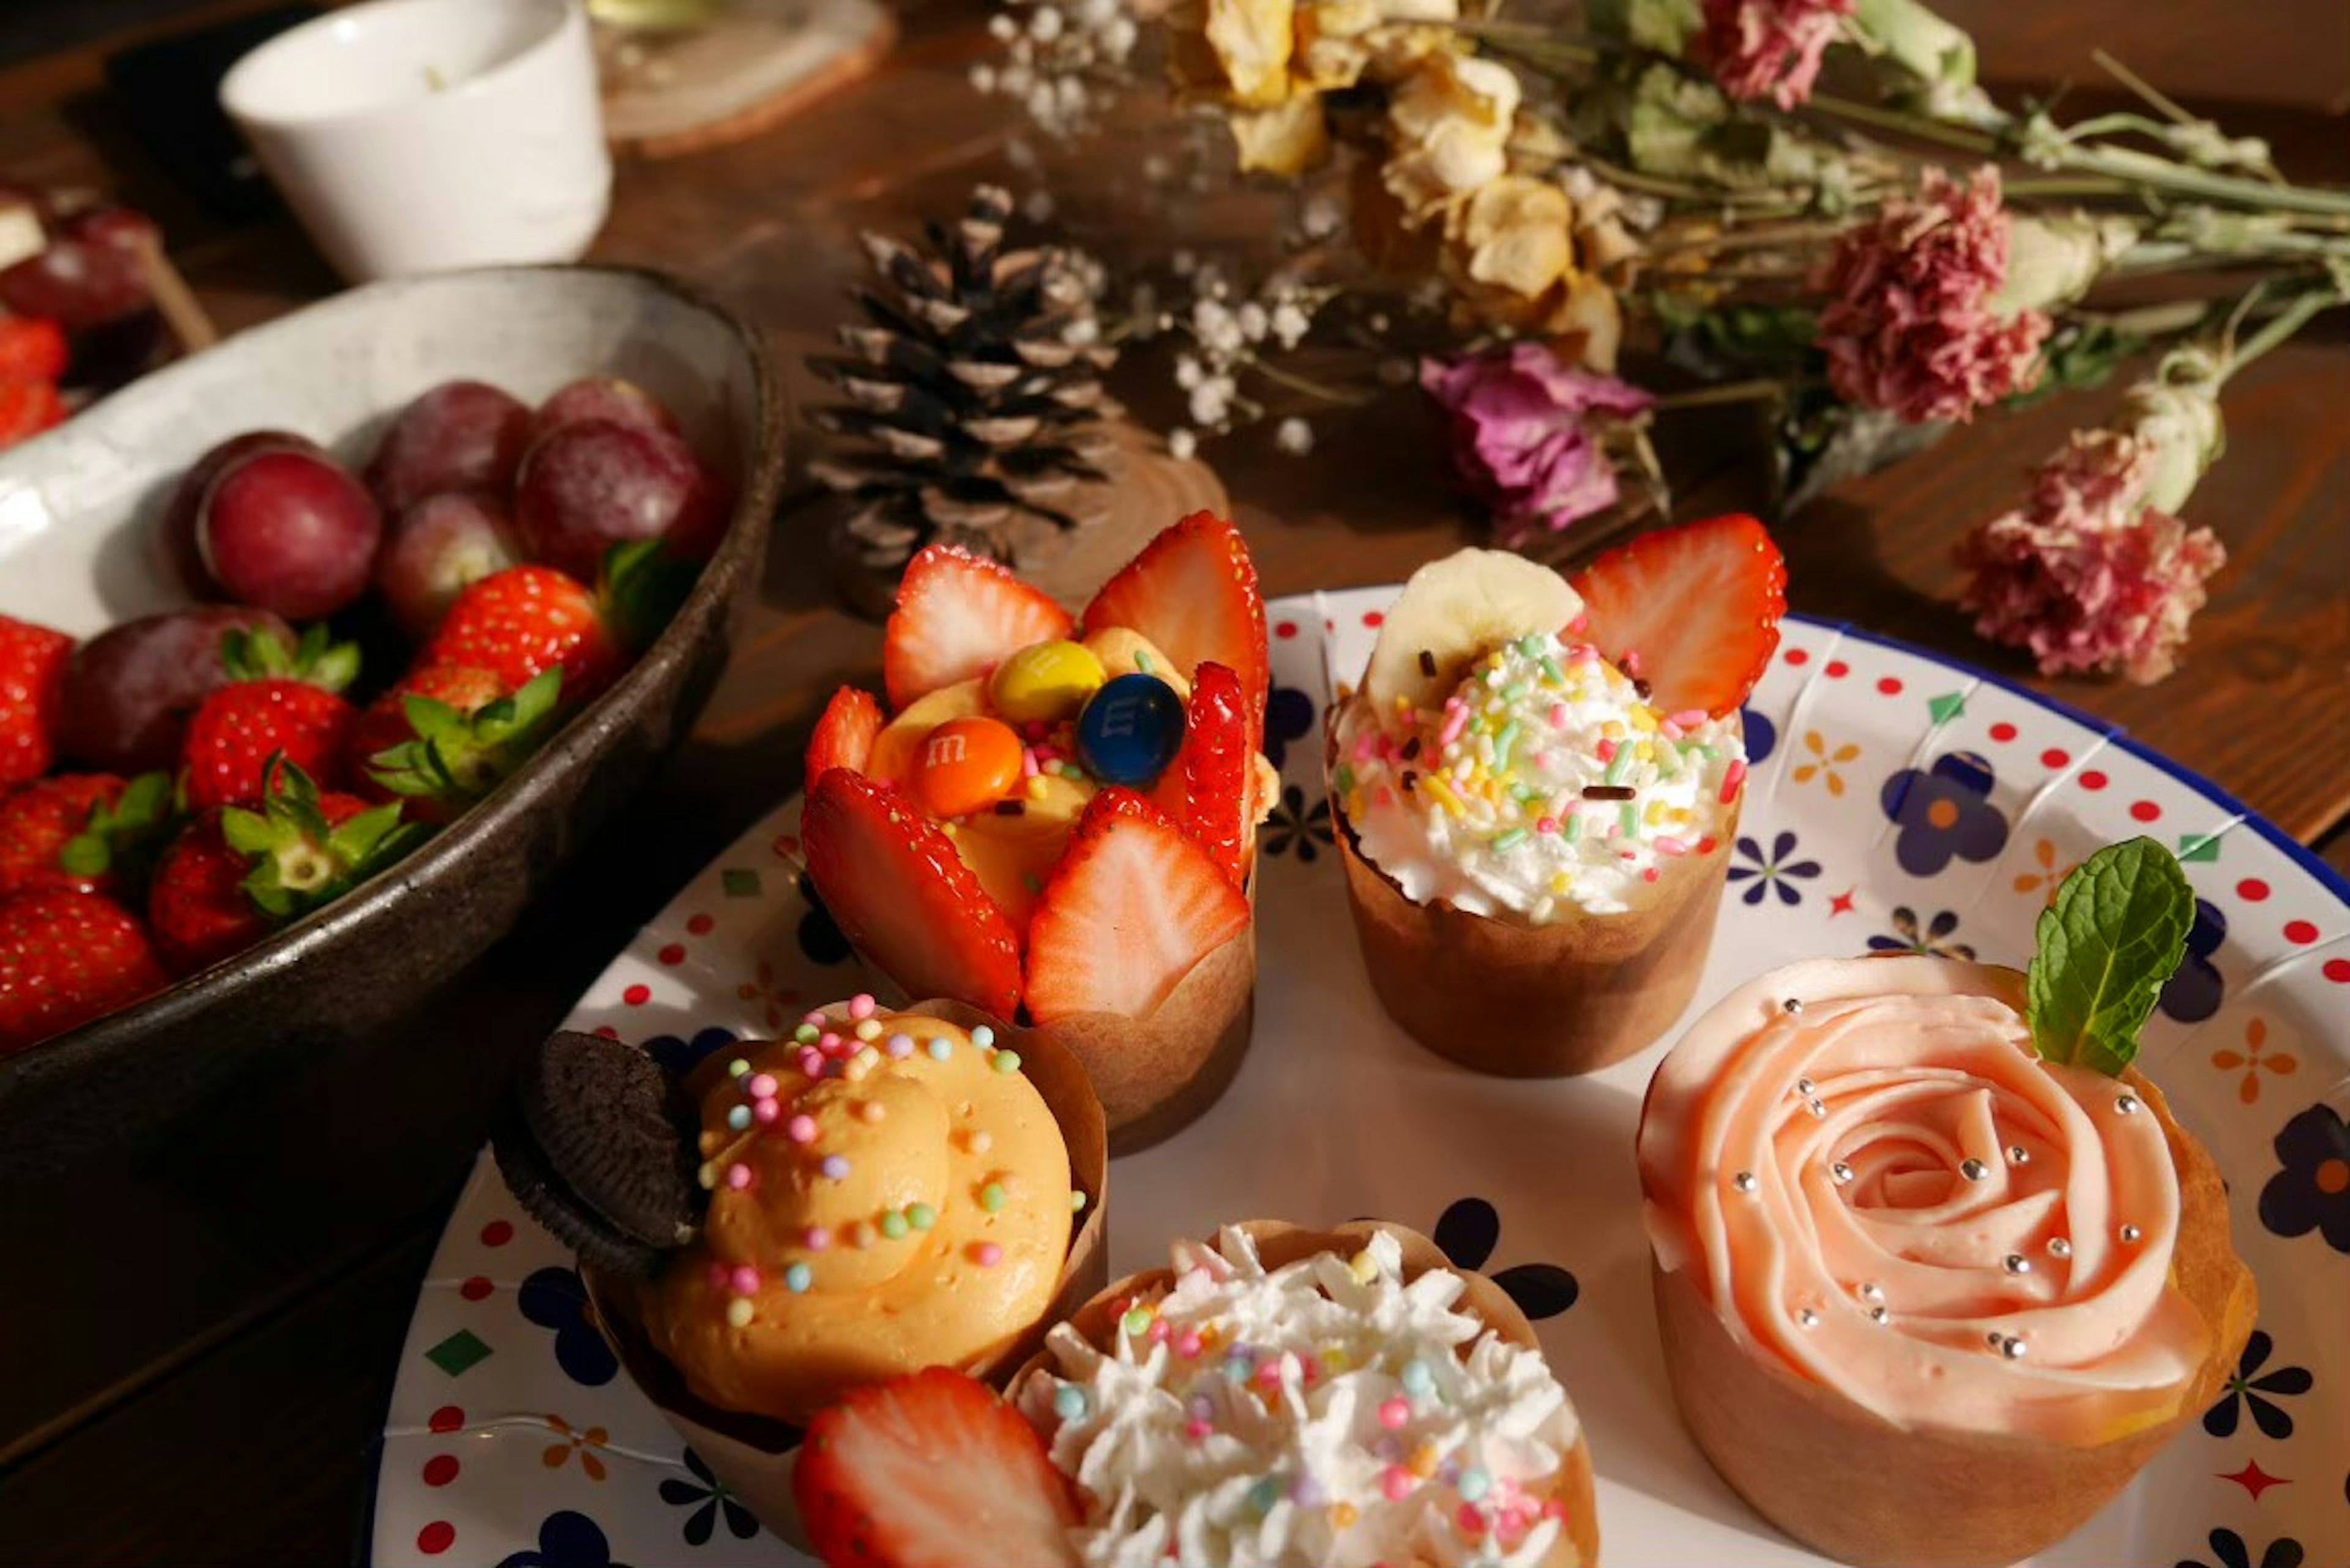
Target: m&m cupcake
[1055, 821]
[878, 1193]
[1535, 787]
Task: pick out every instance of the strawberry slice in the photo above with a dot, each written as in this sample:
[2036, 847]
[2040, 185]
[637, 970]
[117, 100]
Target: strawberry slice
[1132, 907]
[844, 735]
[896, 890]
[957, 616]
[1216, 763]
[930, 1469]
[1693, 610]
[1192, 592]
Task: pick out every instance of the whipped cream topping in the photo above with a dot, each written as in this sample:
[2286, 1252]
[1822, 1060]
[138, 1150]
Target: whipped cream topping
[1321, 1415]
[1545, 785]
[1885, 1190]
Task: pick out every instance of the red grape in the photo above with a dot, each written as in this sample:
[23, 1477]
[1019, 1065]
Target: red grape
[128, 690]
[434, 549]
[590, 485]
[179, 511]
[290, 531]
[461, 435]
[93, 272]
[603, 398]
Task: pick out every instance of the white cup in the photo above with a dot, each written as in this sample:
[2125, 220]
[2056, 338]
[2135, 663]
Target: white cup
[421, 135]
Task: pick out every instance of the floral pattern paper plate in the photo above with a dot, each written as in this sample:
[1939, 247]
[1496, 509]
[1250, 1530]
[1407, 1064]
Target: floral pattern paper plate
[1898, 803]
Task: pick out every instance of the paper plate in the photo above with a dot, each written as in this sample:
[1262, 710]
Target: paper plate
[1897, 802]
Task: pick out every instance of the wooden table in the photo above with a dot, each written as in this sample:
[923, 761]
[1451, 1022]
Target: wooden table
[196, 1344]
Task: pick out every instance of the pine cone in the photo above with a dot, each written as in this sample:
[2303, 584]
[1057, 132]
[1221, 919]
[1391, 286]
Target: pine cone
[974, 391]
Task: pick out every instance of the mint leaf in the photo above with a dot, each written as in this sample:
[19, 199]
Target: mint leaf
[2116, 932]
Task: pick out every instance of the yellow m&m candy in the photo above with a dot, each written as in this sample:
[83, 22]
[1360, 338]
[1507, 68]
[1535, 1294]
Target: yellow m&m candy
[1046, 682]
[966, 765]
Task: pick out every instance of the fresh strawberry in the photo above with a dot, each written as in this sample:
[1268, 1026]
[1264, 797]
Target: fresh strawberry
[1132, 907]
[522, 620]
[957, 616]
[896, 890]
[1218, 765]
[26, 409]
[32, 348]
[1192, 592]
[1694, 610]
[281, 701]
[385, 723]
[31, 663]
[844, 735]
[461, 737]
[84, 831]
[930, 1469]
[235, 875]
[66, 957]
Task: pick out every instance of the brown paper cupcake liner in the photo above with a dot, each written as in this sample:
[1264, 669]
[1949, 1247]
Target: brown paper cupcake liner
[1279, 1244]
[1519, 1001]
[1855, 1487]
[755, 1455]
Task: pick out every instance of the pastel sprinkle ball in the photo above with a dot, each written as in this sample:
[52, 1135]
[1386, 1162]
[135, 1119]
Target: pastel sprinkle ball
[738, 1177]
[1006, 1061]
[1076, 1201]
[797, 1278]
[744, 1281]
[1395, 1414]
[1187, 1344]
[835, 1167]
[987, 1254]
[1137, 1320]
[1343, 1515]
[942, 1048]
[811, 1061]
[1418, 1380]
[990, 1196]
[1264, 1494]
[737, 1067]
[806, 1035]
[762, 1086]
[766, 1112]
[893, 1225]
[921, 1216]
[738, 1117]
[1395, 1483]
[861, 1005]
[812, 1017]
[1069, 1402]
[707, 1175]
[1362, 1266]
[801, 1128]
[816, 1238]
[1473, 1482]
[738, 1313]
[982, 1036]
[899, 1045]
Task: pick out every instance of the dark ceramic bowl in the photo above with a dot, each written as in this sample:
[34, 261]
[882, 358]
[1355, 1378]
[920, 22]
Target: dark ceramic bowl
[79, 550]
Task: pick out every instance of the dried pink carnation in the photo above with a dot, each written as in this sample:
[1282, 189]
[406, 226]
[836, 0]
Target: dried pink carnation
[1908, 325]
[1529, 432]
[2087, 576]
[1770, 48]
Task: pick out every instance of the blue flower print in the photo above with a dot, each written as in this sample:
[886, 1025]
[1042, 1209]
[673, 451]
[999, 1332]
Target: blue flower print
[554, 1298]
[819, 938]
[1943, 813]
[1770, 873]
[680, 1057]
[2258, 1392]
[1933, 939]
[2229, 1550]
[2313, 1191]
[567, 1540]
[708, 1499]
[2195, 988]
[1762, 736]
[1467, 1233]
[1288, 716]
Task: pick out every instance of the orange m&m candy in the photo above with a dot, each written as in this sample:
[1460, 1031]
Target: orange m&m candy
[966, 765]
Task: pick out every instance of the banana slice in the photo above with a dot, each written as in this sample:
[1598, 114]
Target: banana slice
[1453, 611]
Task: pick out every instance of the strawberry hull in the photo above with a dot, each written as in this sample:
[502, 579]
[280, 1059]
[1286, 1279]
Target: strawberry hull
[756, 1456]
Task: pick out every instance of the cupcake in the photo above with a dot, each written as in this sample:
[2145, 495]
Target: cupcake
[1936, 1272]
[883, 1192]
[1311, 1400]
[1056, 823]
[1535, 787]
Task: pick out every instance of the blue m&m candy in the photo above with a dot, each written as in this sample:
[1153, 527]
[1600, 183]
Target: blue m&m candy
[1130, 729]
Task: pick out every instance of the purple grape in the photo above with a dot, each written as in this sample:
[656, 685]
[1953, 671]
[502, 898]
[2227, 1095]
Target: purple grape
[289, 531]
[188, 495]
[128, 691]
[93, 272]
[603, 398]
[594, 484]
[461, 435]
[437, 547]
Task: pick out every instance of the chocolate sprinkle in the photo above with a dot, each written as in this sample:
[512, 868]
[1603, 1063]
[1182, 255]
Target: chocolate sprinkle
[1410, 782]
[1011, 808]
[1641, 689]
[1608, 792]
[1428, 664]
[1411, 748]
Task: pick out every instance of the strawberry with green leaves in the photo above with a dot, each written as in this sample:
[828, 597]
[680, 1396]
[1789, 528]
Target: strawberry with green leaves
[526, 620]
[32, 664]
[282, 701]
[67, 957]
[460, 736]
[89, 832]
[235, 874]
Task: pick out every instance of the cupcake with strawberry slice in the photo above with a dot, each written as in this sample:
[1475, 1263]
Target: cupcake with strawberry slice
[1535, 787]
[1053, 822]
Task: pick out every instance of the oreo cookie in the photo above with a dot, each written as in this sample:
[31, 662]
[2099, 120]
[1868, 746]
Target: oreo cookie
[598, 1146]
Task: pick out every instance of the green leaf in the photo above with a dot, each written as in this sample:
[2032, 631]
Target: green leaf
[247, 832]
[643, 584]
[86, 854]
[2114, 934]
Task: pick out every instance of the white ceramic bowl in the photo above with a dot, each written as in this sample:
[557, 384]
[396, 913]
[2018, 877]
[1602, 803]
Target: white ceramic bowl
[423, 135]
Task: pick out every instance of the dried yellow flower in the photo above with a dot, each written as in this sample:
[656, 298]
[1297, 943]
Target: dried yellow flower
[1449, 129]
[1287, 138]
[1509, 252]
[1233, 51]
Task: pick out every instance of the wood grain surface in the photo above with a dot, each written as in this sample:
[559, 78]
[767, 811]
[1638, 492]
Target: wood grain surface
[200, 1339]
